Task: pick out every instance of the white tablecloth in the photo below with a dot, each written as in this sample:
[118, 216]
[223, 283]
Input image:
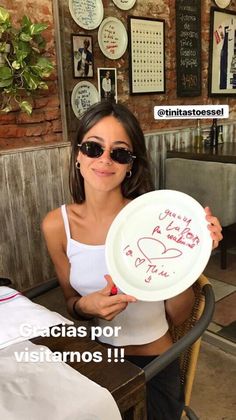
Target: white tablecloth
[49, 390]
[17, 310]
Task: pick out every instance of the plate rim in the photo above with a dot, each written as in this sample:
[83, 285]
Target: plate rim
[223, 3]
[90, 86]
[104, 22]
[172, 290]
[130, 4]
[100, 7]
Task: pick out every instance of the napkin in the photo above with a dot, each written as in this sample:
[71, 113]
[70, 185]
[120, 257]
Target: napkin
[17, 311]
[54, 390]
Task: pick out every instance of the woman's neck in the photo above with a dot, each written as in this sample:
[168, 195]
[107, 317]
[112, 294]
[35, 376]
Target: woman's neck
[101, 205]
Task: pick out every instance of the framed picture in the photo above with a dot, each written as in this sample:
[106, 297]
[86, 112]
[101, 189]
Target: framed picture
[107, 84]
[147, 55]
[82, 55]
[222, 66]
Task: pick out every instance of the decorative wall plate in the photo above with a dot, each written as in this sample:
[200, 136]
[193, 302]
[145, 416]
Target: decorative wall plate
[83, 96]
[124, 4]
[222, 3]
[112, 38]
[158, 245]
[88, 14]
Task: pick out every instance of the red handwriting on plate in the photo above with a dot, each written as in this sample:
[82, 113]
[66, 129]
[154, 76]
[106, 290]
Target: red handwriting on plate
[179, 229]
[128, 251]
[110, 39]
[154, 249]
[157, 229]
[172, 214]
[174, 227]
[139, 261]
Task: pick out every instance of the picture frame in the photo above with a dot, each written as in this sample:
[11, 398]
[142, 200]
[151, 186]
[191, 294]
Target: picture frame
[107, 84]
[146, 55]
[222, 53]
[82, 56]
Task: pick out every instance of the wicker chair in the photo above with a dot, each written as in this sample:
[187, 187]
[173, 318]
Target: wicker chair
[187, 340]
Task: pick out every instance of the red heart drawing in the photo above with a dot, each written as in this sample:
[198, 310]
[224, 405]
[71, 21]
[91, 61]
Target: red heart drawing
[153, 249]
[139, 261]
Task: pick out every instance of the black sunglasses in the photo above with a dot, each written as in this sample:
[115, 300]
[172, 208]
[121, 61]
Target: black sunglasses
[93, 149]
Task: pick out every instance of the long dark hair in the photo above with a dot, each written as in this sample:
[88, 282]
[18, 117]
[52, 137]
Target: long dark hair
[140, 182]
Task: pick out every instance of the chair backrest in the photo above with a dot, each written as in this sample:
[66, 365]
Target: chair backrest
[187, 339]
[189, 357]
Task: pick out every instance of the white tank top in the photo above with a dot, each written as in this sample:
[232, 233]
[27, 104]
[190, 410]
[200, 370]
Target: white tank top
[141, 322]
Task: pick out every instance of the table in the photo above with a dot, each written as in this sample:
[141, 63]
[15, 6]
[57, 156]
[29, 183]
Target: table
[125, 381]
[224, 153]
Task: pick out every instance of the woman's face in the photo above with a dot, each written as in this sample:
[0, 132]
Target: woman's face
[103, 173]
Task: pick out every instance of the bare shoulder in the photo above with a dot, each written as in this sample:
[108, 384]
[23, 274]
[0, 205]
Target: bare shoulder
[53, 221]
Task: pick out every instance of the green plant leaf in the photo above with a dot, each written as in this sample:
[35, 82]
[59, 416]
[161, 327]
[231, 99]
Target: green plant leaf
[26, 107]
[37, 28]
[4, 15]
[5, 73]
[26, 22]
[22, 47]
[16, 65]
[21, 55]
[43, 85]
[6, 82]
[43, 67]
[3, 47]
[6, 109]
[25, 37]
[31, 80]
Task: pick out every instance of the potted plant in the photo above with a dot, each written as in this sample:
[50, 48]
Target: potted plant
[23, 66]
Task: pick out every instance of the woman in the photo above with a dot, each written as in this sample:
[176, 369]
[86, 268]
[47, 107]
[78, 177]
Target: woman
[109, 168]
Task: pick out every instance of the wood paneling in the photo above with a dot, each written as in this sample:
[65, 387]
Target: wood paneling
[32, 182]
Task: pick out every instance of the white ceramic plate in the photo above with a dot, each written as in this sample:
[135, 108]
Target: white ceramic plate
[83, 96]
[158, 245]
[222, 3]
[112, 38]
[88, 14]
[124, 4]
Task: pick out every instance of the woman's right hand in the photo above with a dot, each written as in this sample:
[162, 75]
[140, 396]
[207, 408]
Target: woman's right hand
[102, 304]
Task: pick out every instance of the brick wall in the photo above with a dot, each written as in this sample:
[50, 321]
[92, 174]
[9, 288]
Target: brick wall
[44, 125]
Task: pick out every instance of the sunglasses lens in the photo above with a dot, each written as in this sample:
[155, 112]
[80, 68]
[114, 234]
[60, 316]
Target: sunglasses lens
[121, 155]
[91, 149]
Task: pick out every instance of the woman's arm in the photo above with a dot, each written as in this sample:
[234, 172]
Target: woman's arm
[55, 237]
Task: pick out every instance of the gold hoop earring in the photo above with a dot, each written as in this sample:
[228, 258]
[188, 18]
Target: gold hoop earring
[77, 165]
[128, 174]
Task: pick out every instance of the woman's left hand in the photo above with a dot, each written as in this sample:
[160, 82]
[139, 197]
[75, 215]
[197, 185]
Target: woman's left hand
[214, 227]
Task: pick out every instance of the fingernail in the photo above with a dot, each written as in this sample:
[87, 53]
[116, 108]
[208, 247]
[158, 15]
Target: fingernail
[113, 291]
